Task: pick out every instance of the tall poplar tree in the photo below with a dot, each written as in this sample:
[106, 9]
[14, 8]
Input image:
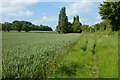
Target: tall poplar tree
[63, 21]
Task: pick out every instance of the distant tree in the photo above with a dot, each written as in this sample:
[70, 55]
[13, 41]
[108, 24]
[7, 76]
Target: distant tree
[92, 29]
[85, 28]
[32, 27]
[63, 21]
[103, 26]
[23, 25]
[6, 26]
[111, 11]
[0, 26]
[69, 28]
[17, 25]
[50, 29]
[3, 27]
[76, 25]
[77, 18]
[97, 26]
[74, 19]
[26, 27]
[108, 25]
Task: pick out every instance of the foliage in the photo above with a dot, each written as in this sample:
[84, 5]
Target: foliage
[6, 26]
[17, 25]
[97, 27]
[110, 15]
[23, 26]
[85, 28]
[0, 26]
[111, 11]
[66, 27]
[76, 25]
[76, 18]
[26, 27]
[63, 21]
[92, 29]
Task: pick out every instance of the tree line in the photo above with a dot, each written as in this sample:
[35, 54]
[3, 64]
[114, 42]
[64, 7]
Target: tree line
[109, 11]
[23, 26]
[66, 27]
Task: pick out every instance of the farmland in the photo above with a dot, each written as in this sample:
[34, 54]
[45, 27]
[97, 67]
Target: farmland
[25, 54]
[48, 55]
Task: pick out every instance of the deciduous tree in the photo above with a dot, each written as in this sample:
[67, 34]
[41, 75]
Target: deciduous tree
[111, 11]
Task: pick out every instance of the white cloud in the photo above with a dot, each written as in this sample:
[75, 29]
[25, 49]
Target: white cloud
[84, 6]
[45, 19]
[16, 7]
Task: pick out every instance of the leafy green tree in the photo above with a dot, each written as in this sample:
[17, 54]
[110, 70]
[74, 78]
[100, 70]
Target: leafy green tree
[92, 29]
[3, 27]
[32, 27]
[0, 26]
[26, 27]
[26, 22]
[69, 28]
[111, 11]
[76, 25]
[6, 26]
[97, 27]
[74, 19]
[17, 25]
[77, 18]
[23, 25]
[108, 25]
[63, 21]
[85, 28]
[103, 26]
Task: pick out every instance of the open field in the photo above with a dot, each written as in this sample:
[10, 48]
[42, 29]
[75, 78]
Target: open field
[44, 55]
[25, 54]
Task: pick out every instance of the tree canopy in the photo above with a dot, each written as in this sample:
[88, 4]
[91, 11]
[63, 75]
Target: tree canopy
[63, 21]
[76, 25]
[24, 26]
[111, 11]
[66, 27]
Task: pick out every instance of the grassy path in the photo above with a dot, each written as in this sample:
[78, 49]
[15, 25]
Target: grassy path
[94, 68]
[78, 59]
[94, 61]
[93, 56]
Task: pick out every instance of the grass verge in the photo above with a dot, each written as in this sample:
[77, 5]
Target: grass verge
[92, 56]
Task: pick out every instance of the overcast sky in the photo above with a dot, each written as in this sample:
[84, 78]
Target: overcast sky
[46, 11]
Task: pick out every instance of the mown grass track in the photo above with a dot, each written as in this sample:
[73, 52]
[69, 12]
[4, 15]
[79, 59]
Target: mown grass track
[93, 56]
